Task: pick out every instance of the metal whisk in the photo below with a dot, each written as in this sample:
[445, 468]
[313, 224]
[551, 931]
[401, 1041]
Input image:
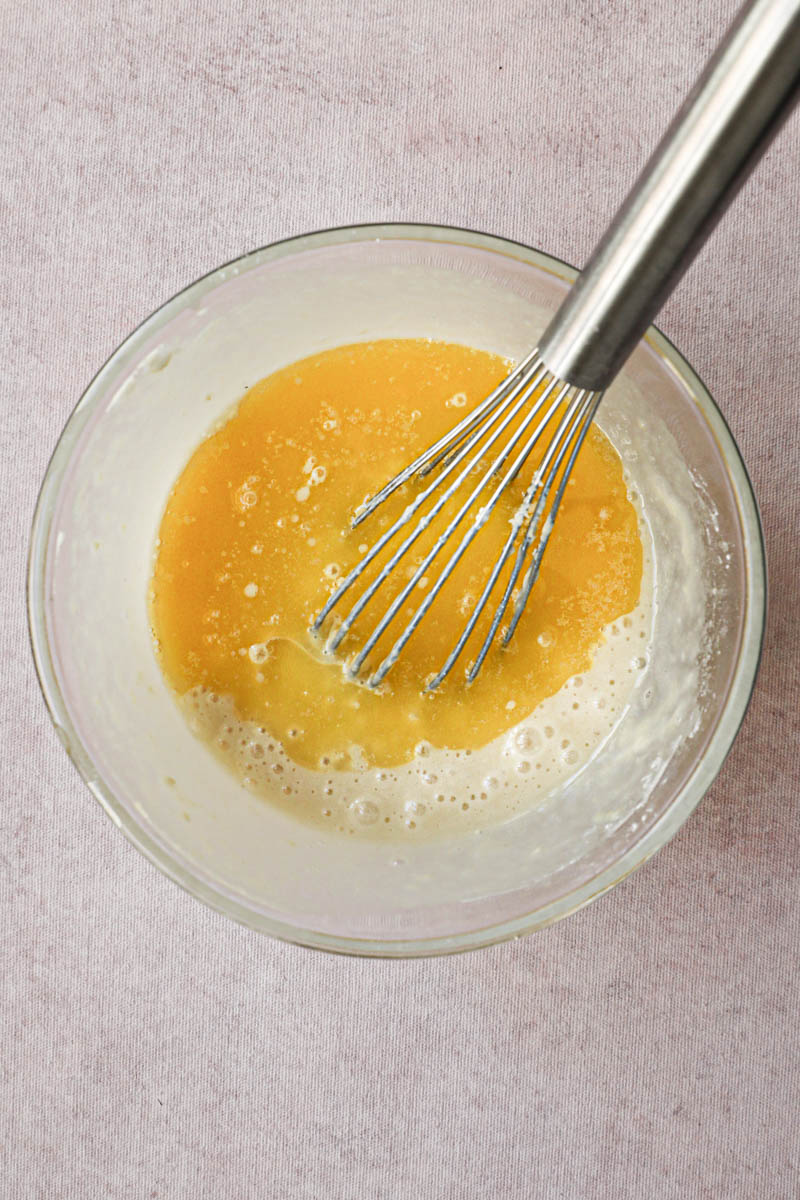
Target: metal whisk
[748, 87]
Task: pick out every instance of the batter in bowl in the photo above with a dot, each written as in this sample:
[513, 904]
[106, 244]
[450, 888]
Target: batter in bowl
[256, 534]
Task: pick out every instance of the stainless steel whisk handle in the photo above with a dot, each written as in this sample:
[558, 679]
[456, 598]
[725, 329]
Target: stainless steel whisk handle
[721, 131]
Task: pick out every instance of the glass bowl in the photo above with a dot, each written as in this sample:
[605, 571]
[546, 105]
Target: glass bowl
[91, 553]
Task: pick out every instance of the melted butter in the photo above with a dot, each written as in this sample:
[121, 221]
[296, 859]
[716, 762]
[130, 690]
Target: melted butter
[256, 534]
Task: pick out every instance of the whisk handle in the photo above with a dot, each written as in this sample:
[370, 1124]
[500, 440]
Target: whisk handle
[725, 125]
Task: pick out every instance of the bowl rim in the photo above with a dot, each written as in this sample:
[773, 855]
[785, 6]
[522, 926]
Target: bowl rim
[695, 786]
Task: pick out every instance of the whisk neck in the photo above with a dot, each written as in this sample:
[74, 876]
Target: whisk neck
[740, 101]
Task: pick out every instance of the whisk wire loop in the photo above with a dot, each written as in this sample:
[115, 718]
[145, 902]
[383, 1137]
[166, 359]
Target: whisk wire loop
[455, 457]
[541, 482]
[479, 520]
[515, 398]
[471, 533]
[532, 573]
[573, 429]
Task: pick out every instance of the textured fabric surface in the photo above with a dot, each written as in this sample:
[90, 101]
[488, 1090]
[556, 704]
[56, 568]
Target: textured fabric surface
[645, 1047]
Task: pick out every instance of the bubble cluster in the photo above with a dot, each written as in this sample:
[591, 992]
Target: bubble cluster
[458, 400]
[246, 495]
[366, 812]
[439, 791]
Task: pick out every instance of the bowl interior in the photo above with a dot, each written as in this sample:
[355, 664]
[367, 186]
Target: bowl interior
[92, 553]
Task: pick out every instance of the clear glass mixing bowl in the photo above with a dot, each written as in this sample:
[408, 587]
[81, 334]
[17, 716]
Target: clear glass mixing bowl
[91, 553]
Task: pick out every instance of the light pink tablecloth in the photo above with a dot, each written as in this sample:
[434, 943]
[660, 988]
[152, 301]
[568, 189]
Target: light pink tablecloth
[647, 1047]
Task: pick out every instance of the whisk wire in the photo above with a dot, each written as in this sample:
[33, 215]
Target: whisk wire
[478, 522]
[532, 366]
[480, 519]
[457, 455]
[579, 417]
[532, 573]
[519, 393]
[430, 458]
[494, 575]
